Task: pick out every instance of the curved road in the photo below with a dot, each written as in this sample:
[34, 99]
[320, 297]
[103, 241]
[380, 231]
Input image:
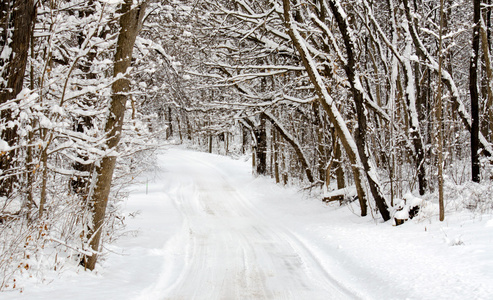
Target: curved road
[228, 250]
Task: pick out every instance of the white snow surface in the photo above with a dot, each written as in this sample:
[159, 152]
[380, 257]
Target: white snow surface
[207, 229]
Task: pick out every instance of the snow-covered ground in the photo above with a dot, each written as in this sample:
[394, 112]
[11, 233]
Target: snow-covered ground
[207, 229]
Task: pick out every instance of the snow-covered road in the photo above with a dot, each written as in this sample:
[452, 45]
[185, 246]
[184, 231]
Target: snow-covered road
[231, 249]
[204, 228]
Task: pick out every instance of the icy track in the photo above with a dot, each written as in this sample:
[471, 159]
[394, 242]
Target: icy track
[204, 228]
[228, 249]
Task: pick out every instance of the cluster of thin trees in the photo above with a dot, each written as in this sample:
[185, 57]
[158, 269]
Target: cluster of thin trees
[384, 96]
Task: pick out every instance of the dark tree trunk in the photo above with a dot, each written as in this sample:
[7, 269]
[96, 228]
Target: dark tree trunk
[488, 25]
[473, 88]
[321, 157]
[15, 17]
[338, 166]
[169, 130]
[80, 183]
[130, 23]
[360, 132]
[245, 133]
[261, 149]
[420, 105]
[276, 155]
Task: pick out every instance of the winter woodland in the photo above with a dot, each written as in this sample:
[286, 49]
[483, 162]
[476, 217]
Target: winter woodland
[354, 102]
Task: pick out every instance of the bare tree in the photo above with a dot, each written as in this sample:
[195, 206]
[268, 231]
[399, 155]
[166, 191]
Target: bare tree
[439, 117]
[327, 103]
[130, 24]
[358, 98]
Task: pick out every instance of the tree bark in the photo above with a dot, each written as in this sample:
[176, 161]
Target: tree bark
[321, 157]
[259, 144]
[84, 123]
[276, 155]
[413, 116]
[130, 23]
[338, 166]
[440, 119]
[473, 89]
[360, 131]
[261, 137]
[328, 104]
[169, 121]
[16, 17]
[488, 128]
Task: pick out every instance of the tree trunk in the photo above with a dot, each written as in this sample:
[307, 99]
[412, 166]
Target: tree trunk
[189, 128]
[16, 19]
[321, 157]
[80, 184]
[413, 114]
[488, 123]
[360, 131]
[209, 139]
[328, 104]
[169, 121]
[44, 180]
[244, 139]
[440, 119]
[130, 23]
[226, 143]
[338, 166]
[261, 137]
[473, 88]
[276, 155]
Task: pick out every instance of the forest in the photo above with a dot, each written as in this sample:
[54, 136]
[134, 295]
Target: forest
[357, 102]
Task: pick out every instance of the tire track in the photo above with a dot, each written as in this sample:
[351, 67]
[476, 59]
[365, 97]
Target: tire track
[234, 252]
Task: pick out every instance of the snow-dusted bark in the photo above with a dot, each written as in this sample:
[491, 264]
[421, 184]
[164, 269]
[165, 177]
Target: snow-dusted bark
[16, 19]
[414, 126]
[130, 23]
[327, 103]
[488, 128]
[261, 147]
[370, 104]
[473, 89]
[358, 97]
[487, 148]
[405, 60]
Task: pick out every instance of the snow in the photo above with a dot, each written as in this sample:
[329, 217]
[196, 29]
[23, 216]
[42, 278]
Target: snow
[4, 146]
[112, 2]
[411, 200]
[6, 53]
[57, 109]
[202, 227]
